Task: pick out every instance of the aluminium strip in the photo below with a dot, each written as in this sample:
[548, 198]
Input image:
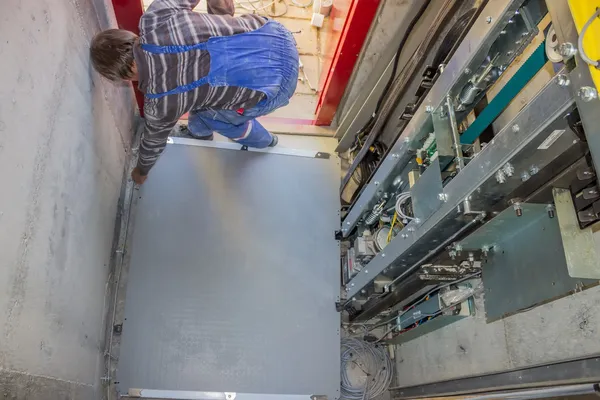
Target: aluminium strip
[484, 32]
[196, 395]
[236, 146]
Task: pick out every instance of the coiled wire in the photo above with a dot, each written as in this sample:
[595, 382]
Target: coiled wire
[400, 200]
[366, 368]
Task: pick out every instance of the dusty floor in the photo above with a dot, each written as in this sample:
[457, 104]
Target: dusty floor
[310, 41]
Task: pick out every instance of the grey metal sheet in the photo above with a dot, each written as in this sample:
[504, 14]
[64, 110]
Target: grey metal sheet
[234, 275]
[527, 265]
[426, 193]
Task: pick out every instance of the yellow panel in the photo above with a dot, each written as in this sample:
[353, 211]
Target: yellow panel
[582, 10]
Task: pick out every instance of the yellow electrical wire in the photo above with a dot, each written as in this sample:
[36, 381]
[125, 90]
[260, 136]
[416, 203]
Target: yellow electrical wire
[389, 236]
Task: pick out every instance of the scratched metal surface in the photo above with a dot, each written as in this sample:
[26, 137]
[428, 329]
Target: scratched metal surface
[234, 274]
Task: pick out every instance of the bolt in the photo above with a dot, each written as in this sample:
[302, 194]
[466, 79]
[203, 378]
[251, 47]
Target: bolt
[551, 210]
[376, 183]
[508, 169]
[395, 155]
[511, 21]
[467, 71]
[563, 80]
[363, 291]
[382, 254]
[587, 93]
[515, 128]
[500, 176]
[567, 50]
[503, 32]
[347, 289]
[518, 42]
[452, 254]
[485, 250]
[366, 271]
[534, 169]
[441, 67]
[352, 284]
[404, 235]
[471, 257]
[428, 109]
[354, 299]
[443, 197]
[347, 222]
[489, 20]
[525, 176]
[411, 229]
[458, 247]
[509, 53]
[518, 209]
[517, 12]
[406, 140]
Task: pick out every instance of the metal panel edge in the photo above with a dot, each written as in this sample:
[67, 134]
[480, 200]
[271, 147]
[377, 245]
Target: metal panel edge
[551, 101]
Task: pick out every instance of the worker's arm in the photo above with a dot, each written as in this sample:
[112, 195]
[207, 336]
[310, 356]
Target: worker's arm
[220, 7]
[154, 140]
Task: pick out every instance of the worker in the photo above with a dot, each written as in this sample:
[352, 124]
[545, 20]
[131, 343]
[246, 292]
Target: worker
[223, 70]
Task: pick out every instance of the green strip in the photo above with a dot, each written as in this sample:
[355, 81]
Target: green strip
[527, 71]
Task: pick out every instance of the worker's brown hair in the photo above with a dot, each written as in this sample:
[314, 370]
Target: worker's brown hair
[112, 53]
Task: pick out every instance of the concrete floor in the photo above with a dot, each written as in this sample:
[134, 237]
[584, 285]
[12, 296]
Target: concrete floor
[64, 132]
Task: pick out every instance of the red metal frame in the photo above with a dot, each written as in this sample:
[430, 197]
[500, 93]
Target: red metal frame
[128, 13]
[342, 53]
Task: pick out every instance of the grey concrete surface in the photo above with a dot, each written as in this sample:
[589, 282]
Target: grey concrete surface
[563, 329]
[64, 132]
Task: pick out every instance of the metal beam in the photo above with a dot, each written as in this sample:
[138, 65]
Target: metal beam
[578, 371]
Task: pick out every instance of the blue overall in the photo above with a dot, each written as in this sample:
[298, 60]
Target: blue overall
[265, 60]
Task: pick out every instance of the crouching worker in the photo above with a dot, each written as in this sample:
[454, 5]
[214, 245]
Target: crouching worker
[224, 70]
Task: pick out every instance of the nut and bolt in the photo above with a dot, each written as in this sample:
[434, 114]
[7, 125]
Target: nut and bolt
[500, 176]
[428, 109]
[443, 197]
[587, 93]
[534, 169]
[452, 254]
[518, 209]
[515, 128]
[563, 80]
[395, 155]
[508, 169]
[471, 257]
[503, 32]
[551, 210]
[485, 250]
[489, 19]
[458, 247]
[404, 236]
[410, 229]
[525, 176]
[567, 49]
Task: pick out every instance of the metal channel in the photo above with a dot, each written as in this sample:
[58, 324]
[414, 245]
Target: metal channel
[579, 371]
[579, 77]
[193, 395]
[484, 32]
[476, 183]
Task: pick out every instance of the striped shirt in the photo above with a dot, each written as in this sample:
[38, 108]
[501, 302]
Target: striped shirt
[173, 22]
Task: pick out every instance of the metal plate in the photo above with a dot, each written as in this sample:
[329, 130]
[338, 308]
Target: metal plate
[234, 275]
[527, 266]
[426, 192]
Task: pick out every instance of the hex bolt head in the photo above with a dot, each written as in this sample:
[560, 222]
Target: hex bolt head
[518, 209]
[376, 183]
[515, 128]
[489, 19]
[567, 50]
[428, 109]
[534, 169]
[525, 176]
[508, 169]
[587, 93]
[563, 80]
[443, 197]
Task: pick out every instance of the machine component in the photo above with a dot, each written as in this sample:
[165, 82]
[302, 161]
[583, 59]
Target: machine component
[580, 247]
[478, 83]
[373, 217]
[437, 272]
[364, 247]
[551, 46]
[381, 236]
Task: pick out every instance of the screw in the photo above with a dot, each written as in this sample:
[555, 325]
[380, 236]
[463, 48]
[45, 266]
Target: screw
[534, 169]
[347, 222]
[489, 20]
[518, 209]
[366, 271]
[551, 210]
[508, 169]
[443, 197]
[563, 80]
[587, 93]
[567, 50]
[352, 284]
[525, 176]
[428, 109]
[382, 254]
[515, 128]
[500, 176]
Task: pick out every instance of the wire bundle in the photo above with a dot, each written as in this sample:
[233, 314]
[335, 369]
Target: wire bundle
[374, 365]
[400, 200]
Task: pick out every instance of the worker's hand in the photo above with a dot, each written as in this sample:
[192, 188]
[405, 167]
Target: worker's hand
[137, 176]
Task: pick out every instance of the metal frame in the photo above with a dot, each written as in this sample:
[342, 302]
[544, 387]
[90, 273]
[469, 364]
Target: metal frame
[483, 33]
[476, 186]
[577, 371]
[578, 77]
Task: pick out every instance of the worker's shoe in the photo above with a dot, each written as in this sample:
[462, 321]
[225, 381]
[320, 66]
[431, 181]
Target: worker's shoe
[274, 141]
[184, 131]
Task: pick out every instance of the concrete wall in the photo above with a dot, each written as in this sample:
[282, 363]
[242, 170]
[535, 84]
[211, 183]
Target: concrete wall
[64, 132]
